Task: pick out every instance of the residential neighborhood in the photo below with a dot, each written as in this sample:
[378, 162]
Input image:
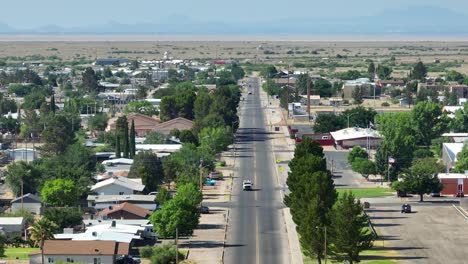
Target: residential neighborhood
[251, 148]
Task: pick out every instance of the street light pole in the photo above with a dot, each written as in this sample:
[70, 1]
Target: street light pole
[201, 175]
[348, 115]
[325, 227]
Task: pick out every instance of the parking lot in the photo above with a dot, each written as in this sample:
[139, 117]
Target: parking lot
[433, 233]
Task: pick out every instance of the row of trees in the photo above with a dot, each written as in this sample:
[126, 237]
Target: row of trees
[319, 212]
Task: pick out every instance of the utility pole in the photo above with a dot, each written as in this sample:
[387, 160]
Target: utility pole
[177, 245]
[287, 95]
[325, 227]
[22, 194]
[308, 95]
[201, 175]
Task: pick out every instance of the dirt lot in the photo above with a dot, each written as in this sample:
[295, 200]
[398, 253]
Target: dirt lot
[154, 47]
[433, 233]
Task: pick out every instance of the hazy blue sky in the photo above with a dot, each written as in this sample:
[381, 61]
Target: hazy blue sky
[65, 13]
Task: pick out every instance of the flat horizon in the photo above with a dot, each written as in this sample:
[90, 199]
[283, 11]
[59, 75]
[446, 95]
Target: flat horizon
[233, 38]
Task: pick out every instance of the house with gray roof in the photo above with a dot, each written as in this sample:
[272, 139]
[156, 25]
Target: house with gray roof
[28, 202]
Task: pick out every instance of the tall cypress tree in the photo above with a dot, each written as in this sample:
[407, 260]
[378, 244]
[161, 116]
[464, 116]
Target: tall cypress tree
[52, 104]
[349, 235]
[117, 146]
[132, 140]
[126, 145]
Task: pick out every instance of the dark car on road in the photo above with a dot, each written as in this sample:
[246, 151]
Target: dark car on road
[406, 208]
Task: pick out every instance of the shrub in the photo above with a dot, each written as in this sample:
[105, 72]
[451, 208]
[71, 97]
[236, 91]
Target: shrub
[146, 252]
[385, 104]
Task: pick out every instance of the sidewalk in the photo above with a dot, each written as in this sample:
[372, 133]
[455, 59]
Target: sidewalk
[207, 243]
[283, 151]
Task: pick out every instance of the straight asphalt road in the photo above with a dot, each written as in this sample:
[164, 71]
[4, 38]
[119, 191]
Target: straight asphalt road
[256, 232]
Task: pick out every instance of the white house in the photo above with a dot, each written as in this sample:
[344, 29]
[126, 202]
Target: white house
[100, 202]
[354, 136]
[69, 251]
[28, 202]
[11, 226]
[118, 186]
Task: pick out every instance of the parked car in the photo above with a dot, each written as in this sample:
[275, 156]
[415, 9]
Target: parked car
[204, 209]
[435, 194]
[247, 185]
[406, 208]
[153, 193]
[210, 182]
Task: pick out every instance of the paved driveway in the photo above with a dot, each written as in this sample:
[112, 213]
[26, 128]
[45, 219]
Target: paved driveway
[434, 233]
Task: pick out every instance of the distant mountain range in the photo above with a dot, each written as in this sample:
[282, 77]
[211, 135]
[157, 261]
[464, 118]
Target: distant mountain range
[412, 20]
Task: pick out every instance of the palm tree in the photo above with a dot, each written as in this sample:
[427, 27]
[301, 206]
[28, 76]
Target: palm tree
[41, 231]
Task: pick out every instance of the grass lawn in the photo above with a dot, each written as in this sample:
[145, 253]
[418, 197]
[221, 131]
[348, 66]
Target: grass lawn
[367, 192]
[20, 253]
[376, 255]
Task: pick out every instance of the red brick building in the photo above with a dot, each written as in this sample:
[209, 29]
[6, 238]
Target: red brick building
[454, 183]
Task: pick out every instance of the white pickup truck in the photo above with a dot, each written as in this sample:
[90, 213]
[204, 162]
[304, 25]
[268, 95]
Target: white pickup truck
[246, 185]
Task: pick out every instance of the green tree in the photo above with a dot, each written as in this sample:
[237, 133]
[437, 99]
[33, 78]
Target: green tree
[163, 196]
[363, 166]
[98, 122]
[107, 72]
[147, 166]
[142, 107]
[360, 116]
[90, 80]
[269, 71]
[310, 209]
[187, 136]
[64, 217]
[41, 231]
[165, 254]
[202, 105]
[58, 135]
[454, 76]
[237, 72]
[427, 122]
[349, 75]
[371, 70]
[329, 122]
[34, 100]
[53, 107]
[126, 144]
[121, 131]
[422, 178]
[301, 83]
[357, 152]
[349, 233]
[180, 212]
[384, 72]
[419, 71]
[460, 122]
[2, 245]
[215, 139]
[271, 87]
[22, 173]
[155, 137]
[323, 88]
[462, 164]
[397, 130]
[132, 140]
[59, 192]
[118, 152]
[358, 94]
